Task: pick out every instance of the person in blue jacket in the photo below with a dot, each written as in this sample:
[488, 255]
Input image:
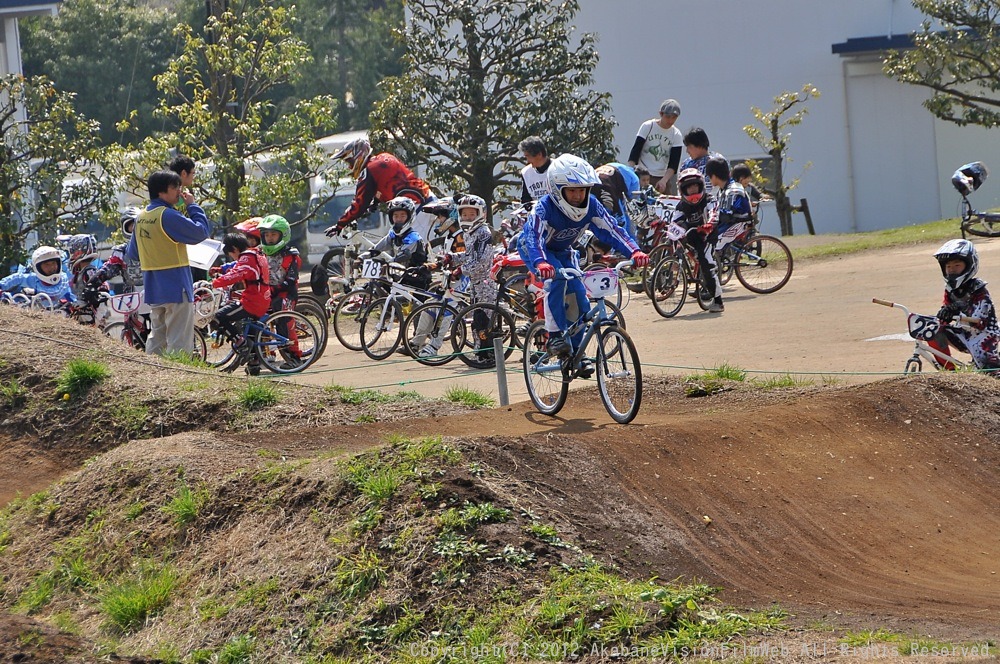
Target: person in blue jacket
[159, 243]
[45, 276]
[546, 244]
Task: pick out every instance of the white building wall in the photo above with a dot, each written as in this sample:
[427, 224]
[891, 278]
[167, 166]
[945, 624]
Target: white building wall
[718, 58]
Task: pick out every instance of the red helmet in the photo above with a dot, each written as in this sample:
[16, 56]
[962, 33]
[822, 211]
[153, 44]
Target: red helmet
[691, 185]
[249, 227]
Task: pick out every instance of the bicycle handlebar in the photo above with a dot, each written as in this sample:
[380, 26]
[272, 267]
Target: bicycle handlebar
[963, 319]
[574, 273]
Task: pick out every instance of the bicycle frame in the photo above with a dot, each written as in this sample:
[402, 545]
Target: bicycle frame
[592, 320]
[924, 351]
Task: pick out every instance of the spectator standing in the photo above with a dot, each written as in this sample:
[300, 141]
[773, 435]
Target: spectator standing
[697, 146]
[159, 244]
[657, 147]
[534, 177]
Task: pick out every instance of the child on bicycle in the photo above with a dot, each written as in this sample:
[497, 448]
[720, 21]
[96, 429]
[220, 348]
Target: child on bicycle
[732, 213]
[251, 269]
[552, 227]
[118, 263]
[966, 295]
[46, 276]
[742, 175]
[404, 244]
[693, 213]
[475, 258]
[83, 261]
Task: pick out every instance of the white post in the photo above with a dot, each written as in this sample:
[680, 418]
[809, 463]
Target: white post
[498, 350]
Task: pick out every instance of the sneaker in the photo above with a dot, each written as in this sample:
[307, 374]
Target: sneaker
[290, 363]
[716, 307]
[427, 351]
[559, 345]
[586, 368]
[239, 342]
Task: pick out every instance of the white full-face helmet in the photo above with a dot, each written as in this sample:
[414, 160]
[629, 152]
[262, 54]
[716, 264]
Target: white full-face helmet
[474, 202]
[568, 171]
[42, 254]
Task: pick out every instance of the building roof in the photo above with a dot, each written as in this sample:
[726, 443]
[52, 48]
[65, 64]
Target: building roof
[17, 8]
[859, 45]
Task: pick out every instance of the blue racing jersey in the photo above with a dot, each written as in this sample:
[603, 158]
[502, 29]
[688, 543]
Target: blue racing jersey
[549, 231]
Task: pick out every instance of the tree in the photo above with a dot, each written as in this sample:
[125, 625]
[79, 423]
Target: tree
[772, 136]
[107, 52]
[480, 76]
[353, 48]
[47, 145]
[959, 60]
[219, 91]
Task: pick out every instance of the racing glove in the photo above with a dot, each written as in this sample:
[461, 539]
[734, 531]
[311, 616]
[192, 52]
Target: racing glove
[948, 312]
[640, 258]
[545, 270]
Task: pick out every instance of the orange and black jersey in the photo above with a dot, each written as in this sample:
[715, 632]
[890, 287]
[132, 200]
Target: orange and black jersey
[384, 178]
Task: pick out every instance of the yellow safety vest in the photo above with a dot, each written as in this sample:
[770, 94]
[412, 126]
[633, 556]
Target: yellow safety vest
[156, 250]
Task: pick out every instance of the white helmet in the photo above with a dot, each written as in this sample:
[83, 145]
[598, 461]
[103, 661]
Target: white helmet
[127, 220]
[962, 250]
[568, 170]
[477, 204]
[42, 254]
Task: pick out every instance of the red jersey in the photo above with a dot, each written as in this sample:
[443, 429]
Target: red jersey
[383, 178]
[250, 268]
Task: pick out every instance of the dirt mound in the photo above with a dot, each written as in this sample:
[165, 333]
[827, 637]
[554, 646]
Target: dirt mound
[863, 505]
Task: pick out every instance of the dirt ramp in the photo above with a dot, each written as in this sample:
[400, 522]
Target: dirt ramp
[876, 499]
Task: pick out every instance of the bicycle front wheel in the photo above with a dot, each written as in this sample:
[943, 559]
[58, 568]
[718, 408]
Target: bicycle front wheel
[619, 374]
[381, 328]
[544, 376]
[656, 254]
[764, 264]
[514, 297]
[475, 330]
[287, 344]
[218, 350]
[669, 287]
[347, 316]
[428, 333]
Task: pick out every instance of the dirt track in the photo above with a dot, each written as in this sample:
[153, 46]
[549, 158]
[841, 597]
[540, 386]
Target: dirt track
[816, 325]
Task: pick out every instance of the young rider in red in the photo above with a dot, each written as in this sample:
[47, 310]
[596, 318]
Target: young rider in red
[251, 269]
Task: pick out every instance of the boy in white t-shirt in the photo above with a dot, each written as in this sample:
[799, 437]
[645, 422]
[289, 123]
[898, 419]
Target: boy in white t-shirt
[657, 146]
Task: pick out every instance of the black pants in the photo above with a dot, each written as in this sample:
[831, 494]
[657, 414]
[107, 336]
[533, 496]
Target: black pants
[230, 318]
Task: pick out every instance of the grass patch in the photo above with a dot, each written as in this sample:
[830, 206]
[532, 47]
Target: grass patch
[37, 595]
[185, 505]
[358, 575]
[128, 604]
[468, 397]
[356, 397]
[258, 394]
[128, 415]
[80, 375]
[780, 382]
[185, 358]
[12, 393]
[713, 381]
[935, 231]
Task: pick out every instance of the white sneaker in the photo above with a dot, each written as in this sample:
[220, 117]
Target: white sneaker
[427, 351]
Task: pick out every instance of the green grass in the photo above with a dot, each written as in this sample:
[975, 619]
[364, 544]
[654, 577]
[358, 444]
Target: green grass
[359, 574]
[12, 393]
[128, 415]
[185, 505]
[468, 397]
[258, 394]
[713, 381]
[80, 375]
[867, 637]
[185, 358]
[237, 651]
[356, 397]
[780, 382]
[128, 604]
[935, 231]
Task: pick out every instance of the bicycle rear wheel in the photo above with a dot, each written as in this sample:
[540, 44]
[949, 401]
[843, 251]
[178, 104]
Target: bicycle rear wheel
[981, 225]
[474, 331]
[619, 374]
[669, 287]
[347, 316]
[725, 259]
[430, 326]
[287, 344]
[315, 312]
[764, 264]
[381, 328]
[656, 254]
[543, 373]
